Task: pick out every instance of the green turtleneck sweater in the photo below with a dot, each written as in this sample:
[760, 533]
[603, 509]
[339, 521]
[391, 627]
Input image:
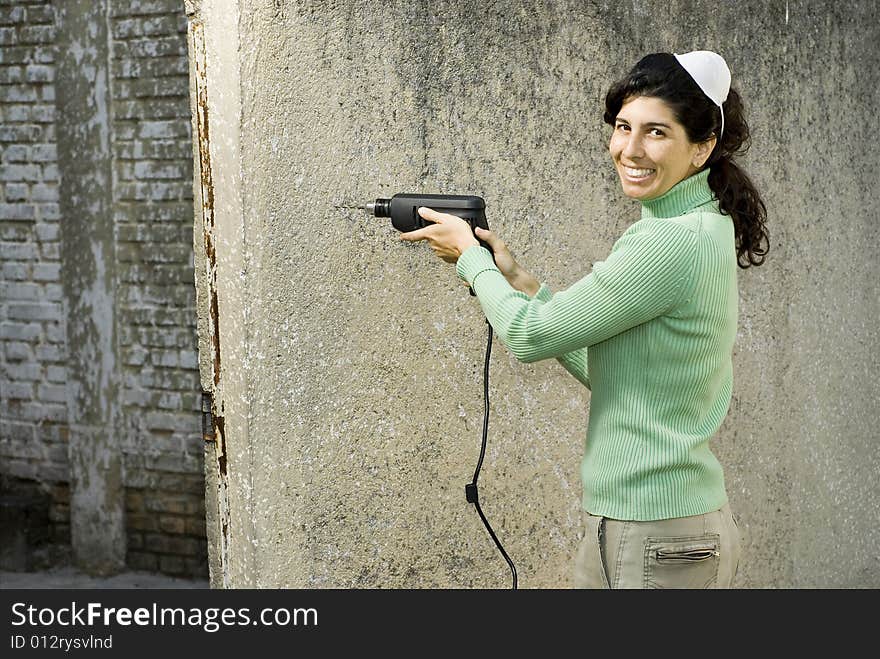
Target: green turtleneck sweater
[650, 332]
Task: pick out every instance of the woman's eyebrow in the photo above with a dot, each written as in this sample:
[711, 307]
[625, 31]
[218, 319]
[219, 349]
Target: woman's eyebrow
[649, 123]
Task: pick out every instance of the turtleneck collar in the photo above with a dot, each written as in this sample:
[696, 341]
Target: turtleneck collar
[680, 198]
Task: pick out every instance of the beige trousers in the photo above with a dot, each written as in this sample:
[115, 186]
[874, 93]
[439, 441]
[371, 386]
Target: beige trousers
[701, 551]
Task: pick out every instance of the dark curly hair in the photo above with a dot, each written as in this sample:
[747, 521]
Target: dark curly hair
[661, 76]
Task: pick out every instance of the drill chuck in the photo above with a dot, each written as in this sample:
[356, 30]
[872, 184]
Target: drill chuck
[379, 208]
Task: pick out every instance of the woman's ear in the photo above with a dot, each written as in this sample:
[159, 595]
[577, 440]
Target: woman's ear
[704, 150]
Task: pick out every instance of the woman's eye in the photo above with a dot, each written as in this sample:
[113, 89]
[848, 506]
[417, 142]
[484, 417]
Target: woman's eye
[622, 127]
[657, 131]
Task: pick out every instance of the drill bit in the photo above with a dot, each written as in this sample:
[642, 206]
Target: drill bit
[369, 207]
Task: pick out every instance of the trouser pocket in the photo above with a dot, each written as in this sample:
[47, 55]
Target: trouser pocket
[682, 562]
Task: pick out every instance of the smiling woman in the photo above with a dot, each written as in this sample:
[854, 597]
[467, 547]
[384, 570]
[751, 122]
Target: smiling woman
[650, 330]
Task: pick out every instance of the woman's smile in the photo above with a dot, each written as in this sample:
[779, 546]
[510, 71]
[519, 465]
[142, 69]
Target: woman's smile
[638, 175]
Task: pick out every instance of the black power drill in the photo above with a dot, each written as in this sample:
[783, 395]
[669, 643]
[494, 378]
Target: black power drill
[403, 209]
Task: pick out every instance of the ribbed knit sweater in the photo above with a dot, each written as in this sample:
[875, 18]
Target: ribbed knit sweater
[650, 332]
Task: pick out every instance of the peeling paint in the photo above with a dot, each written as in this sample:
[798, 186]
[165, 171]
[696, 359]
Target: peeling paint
[202, 135]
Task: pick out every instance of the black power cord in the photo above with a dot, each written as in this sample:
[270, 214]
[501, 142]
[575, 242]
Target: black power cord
[470, 490]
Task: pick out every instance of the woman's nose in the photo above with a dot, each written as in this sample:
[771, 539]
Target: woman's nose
[633, 147]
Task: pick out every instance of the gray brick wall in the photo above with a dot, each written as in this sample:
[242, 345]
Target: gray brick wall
[152, 197]
[33, 348]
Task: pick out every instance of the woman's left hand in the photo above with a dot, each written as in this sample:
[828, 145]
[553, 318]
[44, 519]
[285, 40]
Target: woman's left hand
[449, 235]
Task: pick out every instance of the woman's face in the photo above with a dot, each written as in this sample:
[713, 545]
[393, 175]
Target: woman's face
[651, 150]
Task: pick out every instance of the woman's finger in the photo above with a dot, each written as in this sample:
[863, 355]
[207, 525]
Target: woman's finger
[418, 234]
[430, 214]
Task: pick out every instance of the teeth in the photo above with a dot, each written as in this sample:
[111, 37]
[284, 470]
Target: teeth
[638, 173]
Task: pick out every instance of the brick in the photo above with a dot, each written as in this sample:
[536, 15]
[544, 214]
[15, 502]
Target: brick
[17, 191]
[8, 36]
[173, 462]
[50, 353]
[162, 129]
[53, 473]
[57, 454]
[159, 170]
[15, 54]
[197, 568]
[171, 503]
[18, 94]
[39, 73]
[17, 391]
[18, 212]
[50, 173]
[11, 74]
[16, 231]
[153, 47]
[45, 192]
[52, 393]
[11, 16]
[173, 565]
[19, 450]
[16, 271]
[20, 331]
[158, 211]
[172, 524]
[47, 272]
[18, 350]
[41, 14]
[195, 526]
[142, 522]
[167, 400]
[20, 291]
[16, 153]
[42, 114]
[139, 560]
[35, 311]
[42, 412]
[134, 500]
[134, 356]
[44, 152]
[56, 373]
[14, 172]
[166, 358]
[23, 371]
[142, 7]
[134, 541]
[47, 232]
[148, 26]
[18, 468]
[18, 251]
[48, 211]
[54, 433]
[37, 34]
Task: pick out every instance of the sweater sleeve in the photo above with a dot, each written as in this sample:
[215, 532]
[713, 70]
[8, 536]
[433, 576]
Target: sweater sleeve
[643, 277]
[575, 362]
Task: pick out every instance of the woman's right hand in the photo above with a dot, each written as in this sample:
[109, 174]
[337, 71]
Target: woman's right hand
[515, 274]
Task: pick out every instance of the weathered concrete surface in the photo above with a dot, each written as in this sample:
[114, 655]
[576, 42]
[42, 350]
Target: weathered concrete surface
[351, 371]
[97, 504]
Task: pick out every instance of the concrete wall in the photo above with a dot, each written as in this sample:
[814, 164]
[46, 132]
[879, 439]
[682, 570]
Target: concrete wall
[347, 366]
[99, 390]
